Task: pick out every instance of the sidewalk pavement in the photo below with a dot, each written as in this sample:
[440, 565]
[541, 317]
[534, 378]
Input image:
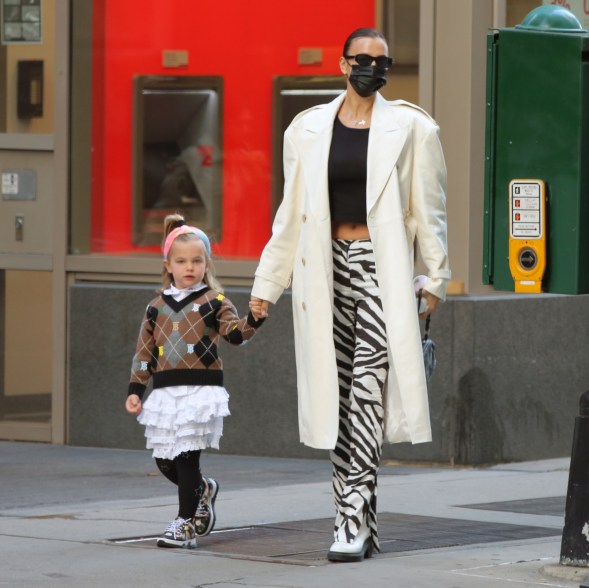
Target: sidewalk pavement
[85, 517]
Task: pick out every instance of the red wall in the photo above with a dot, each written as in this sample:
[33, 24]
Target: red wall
[248, 43]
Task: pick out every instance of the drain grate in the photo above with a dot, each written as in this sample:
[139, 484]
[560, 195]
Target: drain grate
[307, 542]
[553, 506]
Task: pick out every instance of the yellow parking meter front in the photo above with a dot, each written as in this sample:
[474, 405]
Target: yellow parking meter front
[527, 233]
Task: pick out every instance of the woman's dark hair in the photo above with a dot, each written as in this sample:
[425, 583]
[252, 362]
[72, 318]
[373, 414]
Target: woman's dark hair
[360, 33]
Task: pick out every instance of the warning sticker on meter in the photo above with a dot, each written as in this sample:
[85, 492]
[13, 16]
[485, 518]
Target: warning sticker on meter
[526, 220]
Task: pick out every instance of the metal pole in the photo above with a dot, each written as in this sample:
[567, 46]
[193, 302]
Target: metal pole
[574, 549]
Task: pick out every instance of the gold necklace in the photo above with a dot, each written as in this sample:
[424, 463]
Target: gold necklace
[360, 122]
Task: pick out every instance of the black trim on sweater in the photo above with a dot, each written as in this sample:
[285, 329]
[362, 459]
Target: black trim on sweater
[252, 322]
[177, 306]
[137, 388]
[191, 377]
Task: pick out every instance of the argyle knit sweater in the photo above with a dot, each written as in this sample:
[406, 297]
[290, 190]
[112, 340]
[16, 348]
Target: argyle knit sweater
[178, 341]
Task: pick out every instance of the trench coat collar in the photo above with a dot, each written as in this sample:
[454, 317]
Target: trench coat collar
[321, 120]
[318, 123]
[385, 142]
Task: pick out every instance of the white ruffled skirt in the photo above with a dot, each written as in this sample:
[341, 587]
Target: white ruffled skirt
[184, 418]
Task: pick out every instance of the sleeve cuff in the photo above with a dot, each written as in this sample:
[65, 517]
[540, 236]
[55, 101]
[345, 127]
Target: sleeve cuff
[136, 388]
[437, 287]
[252, 322]
[266, 289]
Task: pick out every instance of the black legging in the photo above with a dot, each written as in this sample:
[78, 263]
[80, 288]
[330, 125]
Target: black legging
[184, 471]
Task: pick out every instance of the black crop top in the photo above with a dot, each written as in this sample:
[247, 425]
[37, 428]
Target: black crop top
[347, 173]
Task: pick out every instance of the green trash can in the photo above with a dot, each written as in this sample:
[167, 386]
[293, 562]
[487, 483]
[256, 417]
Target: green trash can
[537, 126]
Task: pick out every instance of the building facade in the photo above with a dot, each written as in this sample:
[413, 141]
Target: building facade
[114, 113]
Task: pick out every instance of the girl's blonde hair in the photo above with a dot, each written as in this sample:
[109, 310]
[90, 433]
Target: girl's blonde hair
[171, 222]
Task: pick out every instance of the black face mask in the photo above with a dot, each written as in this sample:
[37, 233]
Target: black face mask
[367, 80]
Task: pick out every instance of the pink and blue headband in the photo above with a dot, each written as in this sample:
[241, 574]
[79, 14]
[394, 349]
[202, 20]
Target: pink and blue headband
[183, 230]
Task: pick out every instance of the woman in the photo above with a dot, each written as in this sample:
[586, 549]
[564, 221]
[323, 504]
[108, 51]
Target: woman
[364, 179]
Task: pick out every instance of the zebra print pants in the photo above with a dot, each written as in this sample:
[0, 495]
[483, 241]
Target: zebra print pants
[361, 353]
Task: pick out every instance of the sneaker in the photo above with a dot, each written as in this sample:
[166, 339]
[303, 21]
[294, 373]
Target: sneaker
[204, 518]
[179, 533]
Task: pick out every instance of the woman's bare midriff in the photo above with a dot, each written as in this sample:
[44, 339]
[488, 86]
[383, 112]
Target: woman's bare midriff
[349, 231]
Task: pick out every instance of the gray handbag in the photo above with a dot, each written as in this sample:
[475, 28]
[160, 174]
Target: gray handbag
[427, 345]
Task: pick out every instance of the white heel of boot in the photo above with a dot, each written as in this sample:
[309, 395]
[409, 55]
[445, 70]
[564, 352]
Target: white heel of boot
[359, 549]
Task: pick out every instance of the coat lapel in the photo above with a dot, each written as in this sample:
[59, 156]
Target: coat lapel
[385, 143]
[318, 130]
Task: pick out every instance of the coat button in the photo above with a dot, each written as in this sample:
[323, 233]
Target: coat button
[304, 261]
[304, 306]
[304, 218]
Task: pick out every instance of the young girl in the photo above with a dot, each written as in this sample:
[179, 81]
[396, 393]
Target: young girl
[177, 348]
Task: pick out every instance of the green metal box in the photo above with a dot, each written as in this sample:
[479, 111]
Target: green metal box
[538, 127]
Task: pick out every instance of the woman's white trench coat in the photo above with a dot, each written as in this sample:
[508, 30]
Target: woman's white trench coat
[405, 201]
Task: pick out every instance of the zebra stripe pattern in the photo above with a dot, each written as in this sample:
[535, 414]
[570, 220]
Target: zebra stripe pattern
[361, 353]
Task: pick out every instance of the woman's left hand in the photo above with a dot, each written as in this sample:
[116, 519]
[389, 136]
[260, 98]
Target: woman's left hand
[432, 303]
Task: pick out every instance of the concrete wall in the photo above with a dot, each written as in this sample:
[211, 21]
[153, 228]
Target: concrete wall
[510, 372]
[260, 376]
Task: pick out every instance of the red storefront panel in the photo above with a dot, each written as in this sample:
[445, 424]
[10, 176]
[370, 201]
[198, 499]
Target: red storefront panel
[247, 43]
